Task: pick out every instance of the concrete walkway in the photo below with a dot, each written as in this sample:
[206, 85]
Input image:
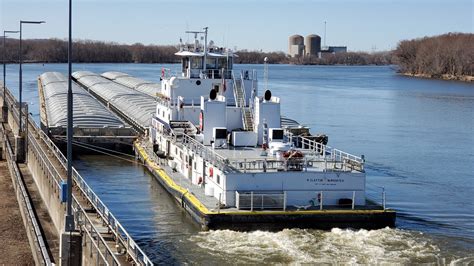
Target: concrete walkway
[14, 246]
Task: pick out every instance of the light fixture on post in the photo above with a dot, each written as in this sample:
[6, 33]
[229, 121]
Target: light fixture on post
[4, 106]
[20, 152]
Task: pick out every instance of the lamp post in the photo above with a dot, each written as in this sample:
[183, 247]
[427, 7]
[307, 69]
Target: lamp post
[69, 215]
[4, 106]
[20, 74]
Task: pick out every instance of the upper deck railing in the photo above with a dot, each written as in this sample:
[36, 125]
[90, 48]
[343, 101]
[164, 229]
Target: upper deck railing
[206, 153]
[325, 151]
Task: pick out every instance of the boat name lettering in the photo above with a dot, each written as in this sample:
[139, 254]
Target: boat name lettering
[331, 180]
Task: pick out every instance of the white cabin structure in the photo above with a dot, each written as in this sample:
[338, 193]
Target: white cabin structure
[213, 127]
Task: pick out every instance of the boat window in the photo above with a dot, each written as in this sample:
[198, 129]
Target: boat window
[185, 63]
[218, 179]
[196, 63]
[211, 63]
[222, 63]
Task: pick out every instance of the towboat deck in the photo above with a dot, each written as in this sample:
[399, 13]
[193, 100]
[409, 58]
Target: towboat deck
[251, 159]
[145, 151]
[210, 202]
[207, 211]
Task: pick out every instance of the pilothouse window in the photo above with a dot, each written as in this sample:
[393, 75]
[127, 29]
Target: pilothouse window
[222, 63]
[211, 63]
[196, 63]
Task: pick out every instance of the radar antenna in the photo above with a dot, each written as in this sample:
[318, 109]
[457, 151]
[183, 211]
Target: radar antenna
[196, 42]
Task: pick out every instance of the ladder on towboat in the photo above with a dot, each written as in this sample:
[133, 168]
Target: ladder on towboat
[239, 95]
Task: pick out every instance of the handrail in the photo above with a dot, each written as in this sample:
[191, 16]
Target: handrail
[241, 101]
[56, 178]
[244, 110]
[234, 84]
[277, 199]
[119, 231]
[15, 173]
[325, 150]
[206, 153]
[93, 232]
[242, 87]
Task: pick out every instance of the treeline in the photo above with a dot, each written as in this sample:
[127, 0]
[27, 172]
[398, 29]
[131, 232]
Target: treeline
[85, 51]
[349, 58]
[441, 56]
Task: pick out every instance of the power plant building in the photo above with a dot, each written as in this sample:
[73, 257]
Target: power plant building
[296, 45]
[310, 46]
[334, 49]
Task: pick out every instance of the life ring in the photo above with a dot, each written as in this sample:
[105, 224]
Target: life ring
[200, 180]
[211, 172]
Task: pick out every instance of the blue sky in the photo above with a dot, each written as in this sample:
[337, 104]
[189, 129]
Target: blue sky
[264, 24]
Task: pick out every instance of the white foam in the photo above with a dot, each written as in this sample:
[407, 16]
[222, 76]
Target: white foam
[338, 246]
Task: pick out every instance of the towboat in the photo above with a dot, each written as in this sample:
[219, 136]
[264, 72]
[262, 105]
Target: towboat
[226, 154]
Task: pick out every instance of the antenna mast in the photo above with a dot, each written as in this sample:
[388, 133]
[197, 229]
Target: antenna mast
[205, 42]
[324, 33]
[265, 72]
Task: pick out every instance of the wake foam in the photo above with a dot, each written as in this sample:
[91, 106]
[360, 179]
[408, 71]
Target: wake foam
[338, 246]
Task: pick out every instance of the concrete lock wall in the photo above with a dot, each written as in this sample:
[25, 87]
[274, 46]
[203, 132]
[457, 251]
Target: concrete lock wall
[48, 189]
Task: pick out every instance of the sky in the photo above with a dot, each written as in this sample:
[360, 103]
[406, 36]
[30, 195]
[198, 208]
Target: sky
[361, 25]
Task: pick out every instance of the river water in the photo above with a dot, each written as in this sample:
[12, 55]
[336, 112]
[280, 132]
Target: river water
[417, 136]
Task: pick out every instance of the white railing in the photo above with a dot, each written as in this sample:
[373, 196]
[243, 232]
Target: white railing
[252, 200]
[321, 200]
[248, 121]
[238, 94]
[205, 152]
[241, 101]
[327, 152]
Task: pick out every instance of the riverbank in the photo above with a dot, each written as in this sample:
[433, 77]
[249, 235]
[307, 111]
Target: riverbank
[463, 78]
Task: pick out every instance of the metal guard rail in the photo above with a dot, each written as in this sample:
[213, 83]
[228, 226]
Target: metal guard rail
[277, 199]
[15, 173]
[119, 231]
[92, 232]
[335, 154]
[217, 160]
